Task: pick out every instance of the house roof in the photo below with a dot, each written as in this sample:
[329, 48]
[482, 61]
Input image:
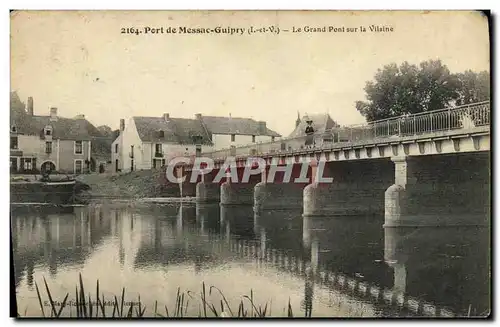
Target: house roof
[233, 125]
[320, 123]
[62, 128]
[176, 130]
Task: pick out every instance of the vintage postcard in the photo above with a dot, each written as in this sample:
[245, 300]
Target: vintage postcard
[250, 164]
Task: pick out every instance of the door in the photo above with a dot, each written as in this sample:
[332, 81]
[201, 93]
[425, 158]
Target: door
[132, 165]
[13, 164]
[78, 167]
[47, 166]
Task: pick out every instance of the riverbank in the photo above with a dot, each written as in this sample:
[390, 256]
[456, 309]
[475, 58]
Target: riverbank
[145, 184]
[209, 302]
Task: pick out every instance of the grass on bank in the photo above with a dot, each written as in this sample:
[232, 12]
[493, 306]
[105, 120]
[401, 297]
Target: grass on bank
[87, 307]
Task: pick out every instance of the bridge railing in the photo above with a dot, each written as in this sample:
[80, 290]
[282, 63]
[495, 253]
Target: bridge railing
[465, 117]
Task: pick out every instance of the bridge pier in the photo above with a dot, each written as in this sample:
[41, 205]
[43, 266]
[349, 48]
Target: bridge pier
[439, 191]
[187, 188]
[357, 189]
[238, 192]
[206, 190]
[278, 193]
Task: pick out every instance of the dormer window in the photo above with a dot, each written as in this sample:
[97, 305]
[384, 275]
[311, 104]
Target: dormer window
[161, 133]
[13, 129]
[47, 131]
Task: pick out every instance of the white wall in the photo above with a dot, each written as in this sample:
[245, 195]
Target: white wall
[131, 137]
[172, 150]
[144, 151]
[223, 141]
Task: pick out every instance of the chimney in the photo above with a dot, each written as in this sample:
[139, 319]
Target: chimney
[166, 117]
[53, 114]
[80, 116]
[122, 125]
[198, 116]
[29, 108]
[262, 128]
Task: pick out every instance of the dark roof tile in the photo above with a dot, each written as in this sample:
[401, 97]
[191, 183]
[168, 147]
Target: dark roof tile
[62, 128]
[177, 130]
[234, 125]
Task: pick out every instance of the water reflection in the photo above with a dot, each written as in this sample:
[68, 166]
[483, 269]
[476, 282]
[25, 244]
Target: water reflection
[326, 266]
[448, 266]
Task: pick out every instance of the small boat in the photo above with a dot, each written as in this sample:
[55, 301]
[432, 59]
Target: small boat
[54, 190]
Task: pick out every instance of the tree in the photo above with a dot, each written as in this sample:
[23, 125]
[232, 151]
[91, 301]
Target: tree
[17, 107]
[474, 87]
[408, 89]
[105, 130]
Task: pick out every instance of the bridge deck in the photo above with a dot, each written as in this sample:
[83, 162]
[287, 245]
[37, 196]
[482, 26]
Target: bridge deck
[462, 120]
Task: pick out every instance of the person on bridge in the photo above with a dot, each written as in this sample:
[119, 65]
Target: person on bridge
[309, 134]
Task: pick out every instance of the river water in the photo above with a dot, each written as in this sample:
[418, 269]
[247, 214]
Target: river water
[325, 267]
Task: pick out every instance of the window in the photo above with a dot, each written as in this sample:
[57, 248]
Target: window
[28, 164]
[13, 142]
[78, 147]
[161, 133]
[198, 150]
[233, 137]
[253, 138]
[48, 147]
[78, 166]
[116, 148]
[13, 129]
[272, 138]
[158, 148]
[47, 130]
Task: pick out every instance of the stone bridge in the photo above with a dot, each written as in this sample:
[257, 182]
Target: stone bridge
[426, 169]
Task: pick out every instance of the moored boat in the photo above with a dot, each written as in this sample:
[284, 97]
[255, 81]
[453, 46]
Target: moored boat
[53, 190]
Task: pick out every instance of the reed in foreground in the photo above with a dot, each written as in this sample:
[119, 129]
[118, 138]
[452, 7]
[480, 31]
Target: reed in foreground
[187, 304]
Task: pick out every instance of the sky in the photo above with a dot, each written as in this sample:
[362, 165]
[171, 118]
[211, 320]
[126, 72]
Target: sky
[81, 63]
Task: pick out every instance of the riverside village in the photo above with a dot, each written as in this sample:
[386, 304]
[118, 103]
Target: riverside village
[368, 197]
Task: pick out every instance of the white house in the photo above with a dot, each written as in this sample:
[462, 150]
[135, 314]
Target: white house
[227, 132]
[48, 142]
[151, 142]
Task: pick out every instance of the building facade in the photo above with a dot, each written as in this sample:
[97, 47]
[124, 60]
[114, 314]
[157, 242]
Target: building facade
[151, 142]
[53, 143]
[227, 132]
